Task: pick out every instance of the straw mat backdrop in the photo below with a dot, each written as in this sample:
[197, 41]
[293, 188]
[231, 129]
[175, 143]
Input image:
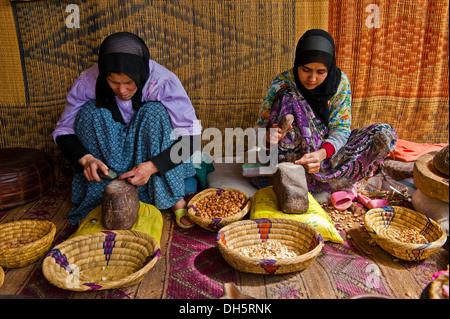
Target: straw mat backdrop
[225, 53]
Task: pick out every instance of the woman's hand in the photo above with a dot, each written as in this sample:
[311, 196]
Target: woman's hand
[90, 165]
[311, 161]
[274, 135]
[140, 174]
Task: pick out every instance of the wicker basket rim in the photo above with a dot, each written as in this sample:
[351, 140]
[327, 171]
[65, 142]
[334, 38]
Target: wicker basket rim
[274, 221]
[278, 221]
[131, 233]
[206, 222]
[24, 221]
[2, 276]
[114, 283]
[368, 222]
[399, 210]
[39, 242]
[212, 190]
[111, 284]
[240, 214]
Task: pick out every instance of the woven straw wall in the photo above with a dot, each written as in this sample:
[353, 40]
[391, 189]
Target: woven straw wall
[225, 53]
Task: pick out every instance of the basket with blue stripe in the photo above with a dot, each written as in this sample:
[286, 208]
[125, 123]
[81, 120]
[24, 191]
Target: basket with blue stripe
[101, 260]
[384, 224]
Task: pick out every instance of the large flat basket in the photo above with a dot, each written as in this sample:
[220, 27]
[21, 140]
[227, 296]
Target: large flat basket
[102, 260]
[384, 224]
[302, 238]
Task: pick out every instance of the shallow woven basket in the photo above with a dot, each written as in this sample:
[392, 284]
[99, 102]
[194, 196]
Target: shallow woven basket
[381, 223]
[214, 224]
[2, 277]
[102, 260]
[24, 230]
[301, 237]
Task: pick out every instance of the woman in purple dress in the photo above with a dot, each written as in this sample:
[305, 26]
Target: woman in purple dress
[317, 93]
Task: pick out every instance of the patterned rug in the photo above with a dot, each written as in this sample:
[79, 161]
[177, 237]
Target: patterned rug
[344, 270]
[197, 269]
[191, 267]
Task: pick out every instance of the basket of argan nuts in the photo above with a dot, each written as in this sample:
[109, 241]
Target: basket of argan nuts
[404, 233]
[25, 241]
[214, 208]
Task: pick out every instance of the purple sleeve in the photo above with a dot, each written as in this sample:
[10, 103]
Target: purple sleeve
[164, 86]
[82, 91]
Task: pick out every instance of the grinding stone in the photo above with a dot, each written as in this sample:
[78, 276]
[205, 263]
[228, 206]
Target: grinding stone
[429, 180]
[441, 161]
[120, 205]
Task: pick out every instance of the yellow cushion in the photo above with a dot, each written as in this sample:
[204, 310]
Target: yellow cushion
[149, 221]
[265, 205]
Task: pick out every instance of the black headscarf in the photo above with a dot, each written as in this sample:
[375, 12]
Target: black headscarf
[318, 46]
[126, 53]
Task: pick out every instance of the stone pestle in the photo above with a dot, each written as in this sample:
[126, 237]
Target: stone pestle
[120, 205]
[291, 189]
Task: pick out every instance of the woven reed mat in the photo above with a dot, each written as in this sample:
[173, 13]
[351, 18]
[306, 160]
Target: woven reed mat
[225, 53]
[192, 267]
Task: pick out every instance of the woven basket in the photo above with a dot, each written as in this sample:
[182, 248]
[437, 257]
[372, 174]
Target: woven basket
[2, 277]
[382, 223]
[102, 260]
[214, 224]
[301, 237]
[43, 233]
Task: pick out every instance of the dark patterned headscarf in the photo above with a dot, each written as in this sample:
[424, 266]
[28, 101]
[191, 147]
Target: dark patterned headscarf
[126, 53]
[318, 46]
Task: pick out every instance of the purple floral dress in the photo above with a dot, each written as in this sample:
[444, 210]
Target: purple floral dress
[358, 157]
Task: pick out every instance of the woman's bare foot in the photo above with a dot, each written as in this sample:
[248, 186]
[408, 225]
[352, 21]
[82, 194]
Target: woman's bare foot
[181, 204]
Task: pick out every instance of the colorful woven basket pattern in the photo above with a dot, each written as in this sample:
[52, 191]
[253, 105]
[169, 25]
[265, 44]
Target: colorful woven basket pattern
[303, 238]
[384, 223]
[102, 260]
